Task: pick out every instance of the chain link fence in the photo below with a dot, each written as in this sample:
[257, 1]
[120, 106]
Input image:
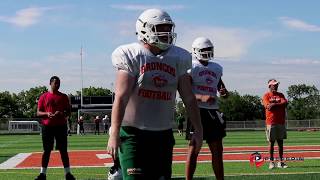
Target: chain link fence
[260, 125]
[231, 125]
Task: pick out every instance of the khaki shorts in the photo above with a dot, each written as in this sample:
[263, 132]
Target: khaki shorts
[276, 132]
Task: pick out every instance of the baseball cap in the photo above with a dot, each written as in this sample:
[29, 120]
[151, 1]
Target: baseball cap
[273, 82]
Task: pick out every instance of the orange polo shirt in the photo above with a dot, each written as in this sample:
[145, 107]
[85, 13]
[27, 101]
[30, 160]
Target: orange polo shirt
[277, 114]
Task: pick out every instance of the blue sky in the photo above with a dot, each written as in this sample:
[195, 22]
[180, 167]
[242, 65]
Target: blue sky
[254, 40]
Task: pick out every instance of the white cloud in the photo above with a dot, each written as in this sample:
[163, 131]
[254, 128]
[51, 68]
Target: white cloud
[65, 57]
[141, 7]
[250, 78]
[299, 24]
[24, 74]
[296, 61]
[230, 43]
[25, 17]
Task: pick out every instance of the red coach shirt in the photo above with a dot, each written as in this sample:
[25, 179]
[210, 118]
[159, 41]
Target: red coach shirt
[52, 102]
[278, 113]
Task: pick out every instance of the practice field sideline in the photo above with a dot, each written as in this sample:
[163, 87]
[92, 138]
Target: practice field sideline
[99, 158]
[241, 143]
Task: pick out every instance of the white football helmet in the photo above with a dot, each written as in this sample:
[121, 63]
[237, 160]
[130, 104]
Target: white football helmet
[203, 49]
[146, 28]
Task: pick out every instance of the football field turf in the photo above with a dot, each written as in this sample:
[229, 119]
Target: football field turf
[11, 145]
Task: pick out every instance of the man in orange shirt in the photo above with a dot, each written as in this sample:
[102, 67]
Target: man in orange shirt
[275, 108]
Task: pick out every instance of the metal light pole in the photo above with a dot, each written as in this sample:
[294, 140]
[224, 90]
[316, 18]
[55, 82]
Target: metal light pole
[81, 92]
[112, 92]
[81, 79]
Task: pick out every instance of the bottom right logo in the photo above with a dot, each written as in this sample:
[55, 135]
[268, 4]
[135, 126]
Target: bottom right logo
[257, 159]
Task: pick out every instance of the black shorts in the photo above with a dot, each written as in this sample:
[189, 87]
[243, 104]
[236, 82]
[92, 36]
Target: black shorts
[81, 127]
[58, 133]
[214, 126]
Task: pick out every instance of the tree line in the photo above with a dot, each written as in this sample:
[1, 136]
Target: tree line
[304, 103]
[24, 104]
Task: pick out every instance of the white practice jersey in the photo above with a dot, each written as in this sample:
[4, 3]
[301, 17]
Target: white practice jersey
[151, 104]
[205, 80]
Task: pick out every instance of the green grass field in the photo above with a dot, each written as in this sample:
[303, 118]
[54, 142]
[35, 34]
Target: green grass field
[10, 145]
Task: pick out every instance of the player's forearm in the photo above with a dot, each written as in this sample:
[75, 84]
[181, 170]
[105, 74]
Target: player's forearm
[220, 84]
[42, 114]
[118, 111]
[283, 101]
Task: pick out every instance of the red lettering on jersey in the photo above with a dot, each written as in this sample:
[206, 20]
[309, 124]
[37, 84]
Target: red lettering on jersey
[207, 72]
[159, 67]
[205, 88]
[158, 95]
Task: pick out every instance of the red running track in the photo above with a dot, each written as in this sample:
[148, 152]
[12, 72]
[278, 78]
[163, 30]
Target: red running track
[101, 159]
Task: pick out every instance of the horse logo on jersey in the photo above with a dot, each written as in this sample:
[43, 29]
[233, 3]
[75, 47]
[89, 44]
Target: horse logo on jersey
[159, 80]
[209, 80]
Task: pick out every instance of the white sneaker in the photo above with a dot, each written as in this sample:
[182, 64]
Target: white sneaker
[282, 165]
[117, 175]
[271, 165]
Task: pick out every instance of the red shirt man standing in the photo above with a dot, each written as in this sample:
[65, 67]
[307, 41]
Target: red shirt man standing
[54, 109]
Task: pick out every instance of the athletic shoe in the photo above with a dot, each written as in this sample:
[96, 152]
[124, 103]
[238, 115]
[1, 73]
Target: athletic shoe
[115, 175]
[69, 176]
[282, 165]
[41, 176]
[271, 165]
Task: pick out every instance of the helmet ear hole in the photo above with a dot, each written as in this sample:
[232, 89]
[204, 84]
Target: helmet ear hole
[153, 29]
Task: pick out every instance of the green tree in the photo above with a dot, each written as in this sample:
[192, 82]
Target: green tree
[254, 109]
[93, 91]
[232, 107]
[241, 108]
[8, 106]
[304, 102]
[27, 100]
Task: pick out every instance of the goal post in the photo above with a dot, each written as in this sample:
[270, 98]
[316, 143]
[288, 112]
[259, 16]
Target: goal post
[89, 107]
[89, 115]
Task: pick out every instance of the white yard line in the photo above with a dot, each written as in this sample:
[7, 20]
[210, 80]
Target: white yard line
[14, 161]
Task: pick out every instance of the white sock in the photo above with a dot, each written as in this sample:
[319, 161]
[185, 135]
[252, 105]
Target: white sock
[43, 170]
[67, 170]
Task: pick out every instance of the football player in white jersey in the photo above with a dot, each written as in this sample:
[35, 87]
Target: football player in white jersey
[149, 73]
[206, 81]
